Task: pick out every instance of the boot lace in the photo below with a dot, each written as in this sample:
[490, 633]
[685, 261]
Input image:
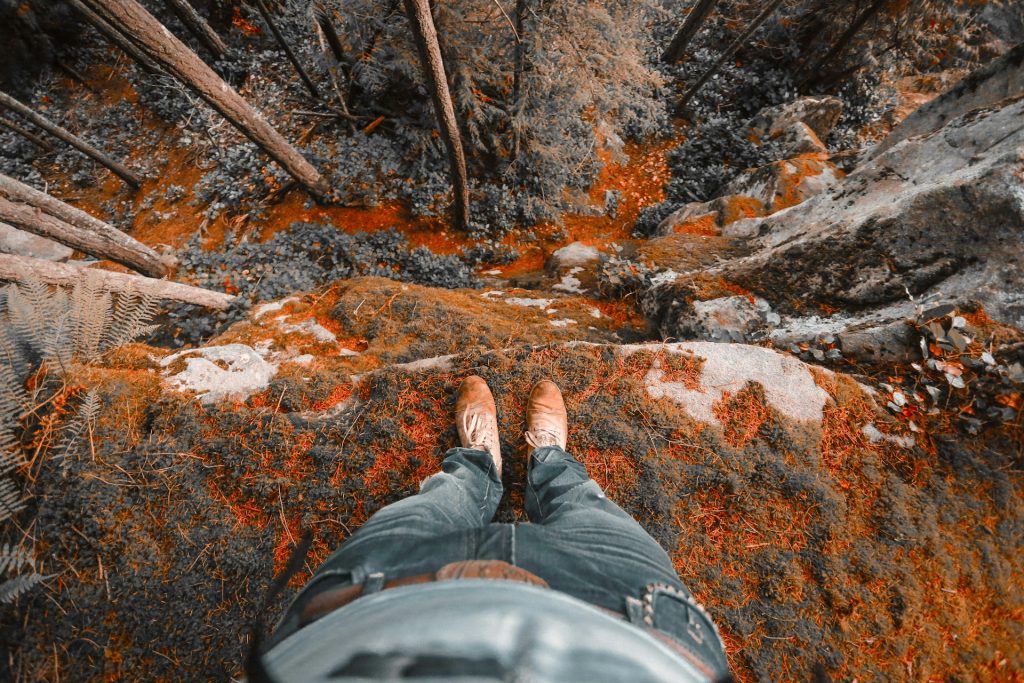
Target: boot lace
[538, 438]
[477, 432]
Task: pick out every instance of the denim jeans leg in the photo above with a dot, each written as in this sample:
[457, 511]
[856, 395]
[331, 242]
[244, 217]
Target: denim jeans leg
[583, 543]
[412, 535]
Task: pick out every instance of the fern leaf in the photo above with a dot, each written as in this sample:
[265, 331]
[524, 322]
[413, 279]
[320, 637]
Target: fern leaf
[11, 501]
[130, 319]
[89, 311]
[14, 558]
[10, 455]
[12, 589]
[83, 420]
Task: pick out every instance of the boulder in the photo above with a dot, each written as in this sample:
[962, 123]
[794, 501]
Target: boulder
[782, 184]
[725, 319]
[819, 113]
[798, 138]
[573, 255]
[21, 243]
[754, 193]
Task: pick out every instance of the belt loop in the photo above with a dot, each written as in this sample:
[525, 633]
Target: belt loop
[374, 583]
[634, 611]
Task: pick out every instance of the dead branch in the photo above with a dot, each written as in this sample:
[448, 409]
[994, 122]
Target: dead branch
[21, 268]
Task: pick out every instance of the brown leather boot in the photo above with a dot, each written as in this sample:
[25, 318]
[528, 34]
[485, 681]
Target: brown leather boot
[547, 423]
[476, 418]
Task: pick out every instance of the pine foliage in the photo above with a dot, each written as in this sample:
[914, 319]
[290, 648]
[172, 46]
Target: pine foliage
[540, 97]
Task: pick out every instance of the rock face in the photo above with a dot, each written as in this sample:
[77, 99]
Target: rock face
[936, 219]
[986, 87]
[944, 212]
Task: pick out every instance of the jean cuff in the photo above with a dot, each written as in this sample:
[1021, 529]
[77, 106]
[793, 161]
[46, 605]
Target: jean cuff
[476, 457]
[550, 453]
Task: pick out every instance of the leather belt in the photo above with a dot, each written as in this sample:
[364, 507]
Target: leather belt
[324, 603]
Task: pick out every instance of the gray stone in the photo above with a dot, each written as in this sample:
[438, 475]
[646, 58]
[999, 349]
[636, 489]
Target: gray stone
[726, 319]
[819, 113]
[21, 243]
[798, 138]
[573, 255]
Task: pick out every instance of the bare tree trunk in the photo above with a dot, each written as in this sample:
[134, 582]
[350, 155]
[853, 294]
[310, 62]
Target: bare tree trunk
[31, 137]
[77, 229]
[815, 74]
[117, 168]
[20, 268]
[676, 50]
[112, 34]
[159, 44]
[333, 64]
[269, 19]
[730, 51]
[429, 48]
[198, 27]
[323, 20]
[518, 68]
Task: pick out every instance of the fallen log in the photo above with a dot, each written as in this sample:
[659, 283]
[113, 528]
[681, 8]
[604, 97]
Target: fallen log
[34, 139]
[178, 60]
[112, 35]
[110, 244]
[100, 239]
[22, 268]
[198, 27]
[115, 167]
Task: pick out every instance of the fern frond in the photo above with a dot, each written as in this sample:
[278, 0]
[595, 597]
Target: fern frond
[14, 558]
[12, 589]
[83, 420]
[12, 360]
[11, 501]
[90, 308]
[11, 457]
[130, 319]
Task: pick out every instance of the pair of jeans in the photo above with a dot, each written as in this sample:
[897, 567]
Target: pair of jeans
[578, 541]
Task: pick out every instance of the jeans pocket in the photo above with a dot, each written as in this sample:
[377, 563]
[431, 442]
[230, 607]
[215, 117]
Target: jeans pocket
[677, 615]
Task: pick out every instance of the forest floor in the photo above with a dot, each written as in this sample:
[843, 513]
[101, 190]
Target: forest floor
[817, 546]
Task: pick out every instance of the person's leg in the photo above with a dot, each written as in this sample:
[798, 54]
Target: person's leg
[423, 532]
[585, 545]
[581, 542]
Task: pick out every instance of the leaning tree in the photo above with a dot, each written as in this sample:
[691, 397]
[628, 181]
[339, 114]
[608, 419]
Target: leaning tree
[158, 44]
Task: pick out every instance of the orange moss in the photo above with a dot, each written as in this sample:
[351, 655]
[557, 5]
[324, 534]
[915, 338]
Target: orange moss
[707, 287]
[742, 415]
[793, 172]
[706, 226]
[339, 394]
[738, 207]
[614, 471]
[682, 367]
